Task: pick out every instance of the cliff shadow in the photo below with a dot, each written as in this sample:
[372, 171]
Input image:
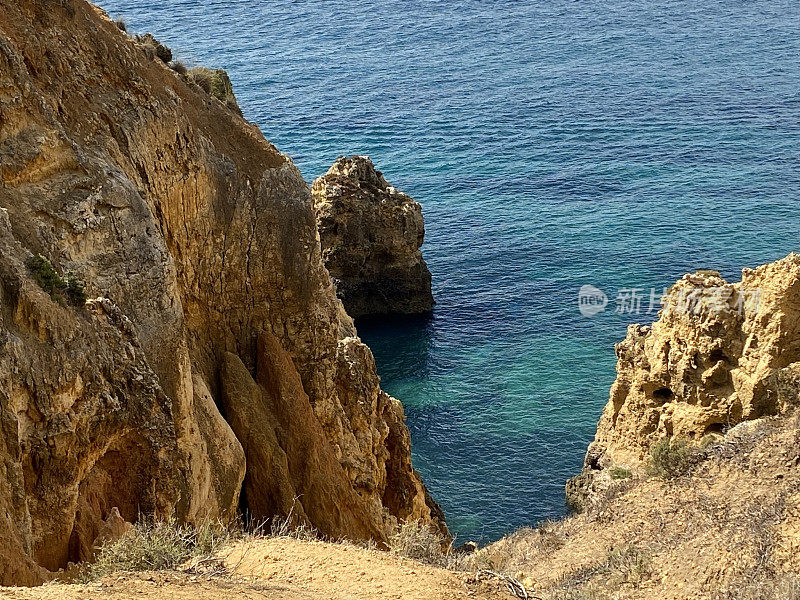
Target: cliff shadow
[401, 345]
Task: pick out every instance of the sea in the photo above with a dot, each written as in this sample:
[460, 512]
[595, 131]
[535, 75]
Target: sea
[560, 149]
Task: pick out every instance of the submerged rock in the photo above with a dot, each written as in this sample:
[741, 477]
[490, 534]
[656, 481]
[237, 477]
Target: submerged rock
[371, 236]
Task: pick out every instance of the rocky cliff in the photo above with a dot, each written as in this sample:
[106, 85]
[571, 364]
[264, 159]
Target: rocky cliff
[720, 353]
[371, 236]
[691, 488]
[212, 314]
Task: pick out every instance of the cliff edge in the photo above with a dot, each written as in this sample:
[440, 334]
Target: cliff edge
[720, 354]
[691, 488]
[210, 309]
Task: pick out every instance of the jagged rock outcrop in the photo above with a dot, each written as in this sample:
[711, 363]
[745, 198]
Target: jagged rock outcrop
[371, 236]
[200, 237]
[720, 353]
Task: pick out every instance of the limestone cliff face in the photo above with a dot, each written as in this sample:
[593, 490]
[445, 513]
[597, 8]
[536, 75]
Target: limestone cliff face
[720, 353]
[371, 236]
[200, 239]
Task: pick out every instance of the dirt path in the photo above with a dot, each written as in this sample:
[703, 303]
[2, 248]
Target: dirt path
[284, 569]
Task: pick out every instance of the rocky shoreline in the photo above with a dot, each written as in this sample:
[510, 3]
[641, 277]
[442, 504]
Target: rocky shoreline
[720, 354]
[177, 341]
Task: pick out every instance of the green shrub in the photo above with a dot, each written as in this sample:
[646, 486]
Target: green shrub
[69, 288]
[75, 290]
[620, 473]
[670, 458]
[45, 275]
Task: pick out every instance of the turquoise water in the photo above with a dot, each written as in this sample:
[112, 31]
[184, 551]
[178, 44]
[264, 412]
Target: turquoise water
[552, 145]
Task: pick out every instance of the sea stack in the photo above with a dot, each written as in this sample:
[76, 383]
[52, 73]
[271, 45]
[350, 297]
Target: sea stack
[371, 236]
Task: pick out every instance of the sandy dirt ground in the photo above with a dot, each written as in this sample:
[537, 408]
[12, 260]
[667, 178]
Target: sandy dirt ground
[283, 569]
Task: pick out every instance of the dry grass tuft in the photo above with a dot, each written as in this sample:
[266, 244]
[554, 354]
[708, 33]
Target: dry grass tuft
[783, 587]
[156, 546]
[153, 545]
[629, 565]
[426, 544]
[179, 67]
[154, 48]
[201, 77]
[418, 541]
[518, 550]
[286, 527]
[576, 592]
[216, 83]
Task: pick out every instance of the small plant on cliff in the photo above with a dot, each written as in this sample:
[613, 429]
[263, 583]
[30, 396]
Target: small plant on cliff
[120, 23]
[179, 67]
[201, 77]
[163, 53]
[69, 288]
[221, 87]
[620, 473]
[75, 290]
[419, 541]
[286, 526]
[45, 275]
[423, 542]
[627, 565]
[215, 83]
[670, 458]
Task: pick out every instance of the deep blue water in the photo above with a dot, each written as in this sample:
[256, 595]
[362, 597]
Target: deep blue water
[552, 144]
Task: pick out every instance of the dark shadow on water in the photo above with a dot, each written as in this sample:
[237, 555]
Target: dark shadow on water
[489, 478]
[401, 344]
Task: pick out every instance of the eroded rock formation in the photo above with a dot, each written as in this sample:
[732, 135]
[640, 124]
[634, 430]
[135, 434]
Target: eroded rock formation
[198, 238]
[292, 470]
[371, 236]
[720, 353]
